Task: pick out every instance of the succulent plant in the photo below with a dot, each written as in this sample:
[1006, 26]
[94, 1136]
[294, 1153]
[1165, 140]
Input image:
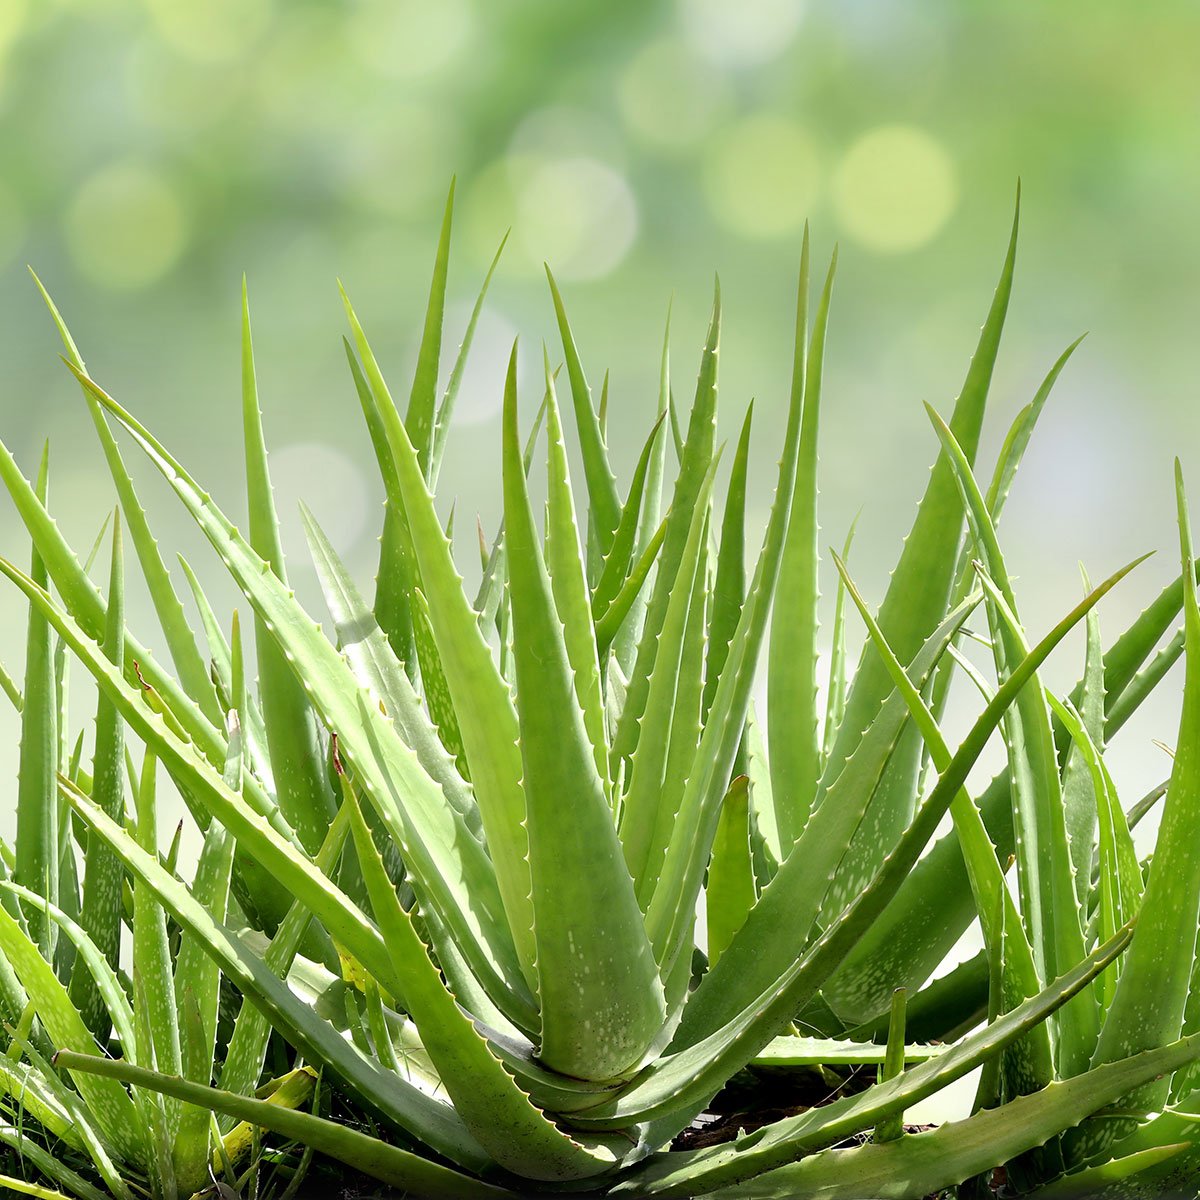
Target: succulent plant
[457, 848]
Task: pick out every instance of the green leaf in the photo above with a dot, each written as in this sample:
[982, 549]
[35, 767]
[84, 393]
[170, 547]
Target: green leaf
[425, 1117]
[603, 502]
[180, 640]
[600, 998]
[389, 1164]
[487, 1098]
[729, 895]
[926, 1163]
[729, 586]
[422, 399]
[445, 861]
[293, 731]
[569, 587]
[37, 861]
[100, 913]
[792, 721]
[921, 584]
[441, 426]
[1148, 1008]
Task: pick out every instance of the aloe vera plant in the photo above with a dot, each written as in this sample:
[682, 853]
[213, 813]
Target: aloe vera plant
[456, 846]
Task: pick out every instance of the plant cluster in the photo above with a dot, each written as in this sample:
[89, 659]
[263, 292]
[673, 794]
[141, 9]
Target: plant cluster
[456, 847]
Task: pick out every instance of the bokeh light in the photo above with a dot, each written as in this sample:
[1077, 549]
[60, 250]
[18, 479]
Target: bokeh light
[214, 31]
[12, 225]
[126, 226]
[894, 189]
[744, 33]
[762, 176]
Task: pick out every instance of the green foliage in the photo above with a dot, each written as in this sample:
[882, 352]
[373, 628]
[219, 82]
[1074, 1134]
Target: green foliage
[452, 852]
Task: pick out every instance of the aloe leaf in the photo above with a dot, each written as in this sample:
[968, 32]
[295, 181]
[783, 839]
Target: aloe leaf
[499, 1115]
[152, 977]
[180, 640]
[610, 622]
[1119, 884]
[52, 1167]
[445, 860]
[481, 699]
[1148, 1007]
[397, 569]
[247, 1048]
[603, 502]
[1029, 1065]
[935, 905]
[729, 895]
[585, 910]
[1045, 874]
[569, 587]
[835, 703]
[696, 1068]
[197, 978]
[426, 1118]
[88, 958]
[422, 400]
[792, 721]
[376, 668]
[441, 425]
[389, 1164]
[625, 549]
[100, 913]
[926, 1163]
[697, 457]
[729, 584]
[37, 861]
[651, 802]
[1080, 798]
[780, 924]
[109, 1104]
[922, 582]
[293, 732]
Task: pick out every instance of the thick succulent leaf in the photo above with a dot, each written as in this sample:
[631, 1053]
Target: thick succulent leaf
[568, 584]
[445, 412]
[780, 924]
[482, 702]
[1080, 798]
[1148, 1008]
[920, 587]
[835, 702]
[485, 1096]
[180, 640]
[422, 400]
[793, 1051]
[397, 569]
[110, 1106]
[389, 1164]
[696, 460]
[377, 669]
[926, 1163]
[625, 547]
[792, 721]
[53, 1168]
[446, 862]
[610, 623]
[729, 895]
[1045, 875]
[674, 1084]
[429, 1120]
[1119, 885]
[1029, 1065]
[651, 802]
[935, 905]
[600, 999]
[729, 584]
[294, 735]
[604, 505]
[37, 857]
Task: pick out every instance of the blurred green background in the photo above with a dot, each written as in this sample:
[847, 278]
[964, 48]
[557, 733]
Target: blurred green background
[153, 150]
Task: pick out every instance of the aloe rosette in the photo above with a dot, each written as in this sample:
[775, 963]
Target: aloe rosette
[456, 846]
